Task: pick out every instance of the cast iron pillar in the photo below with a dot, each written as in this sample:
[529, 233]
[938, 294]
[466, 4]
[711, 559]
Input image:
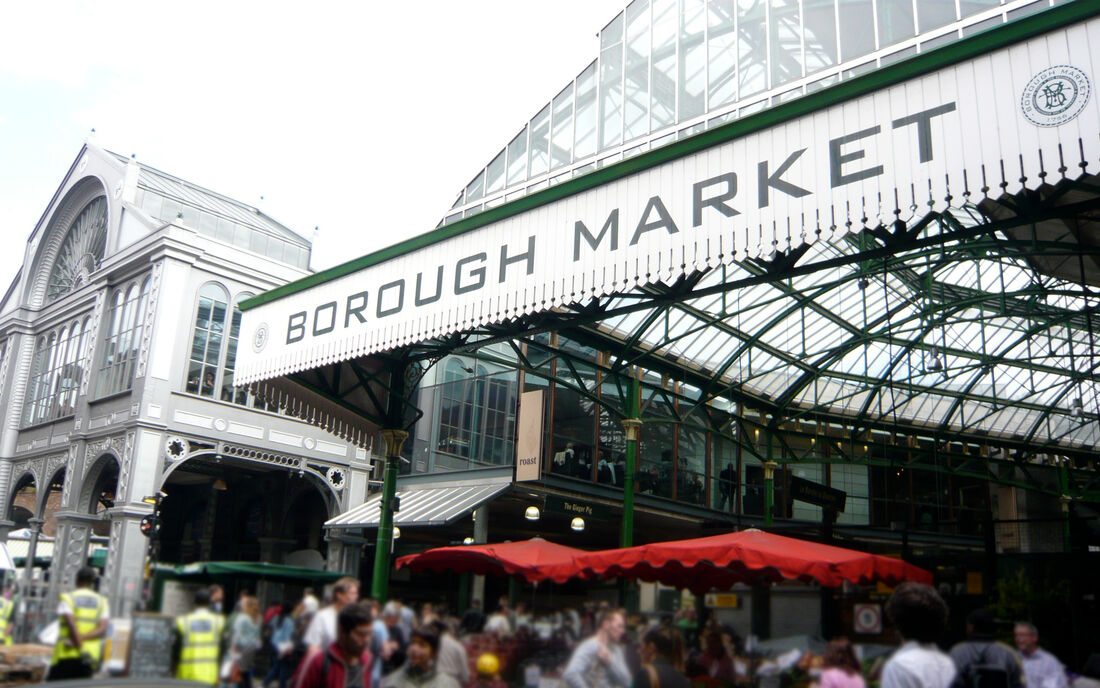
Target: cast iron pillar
[633, 428]
[1066, 500]
[769, 486]
[383, 550]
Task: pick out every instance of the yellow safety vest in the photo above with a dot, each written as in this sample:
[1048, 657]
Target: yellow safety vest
[200, 638]
[88, 608]
[6, 608]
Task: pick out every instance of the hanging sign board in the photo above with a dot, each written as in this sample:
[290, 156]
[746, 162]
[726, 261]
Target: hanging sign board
[529, 436]
[1015, 117]
[814, 493]
[574, 507]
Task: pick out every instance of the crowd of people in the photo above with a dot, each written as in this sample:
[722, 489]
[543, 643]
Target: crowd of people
[351, 641]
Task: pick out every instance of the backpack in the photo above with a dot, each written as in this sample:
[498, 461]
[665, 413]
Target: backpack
[981, 674]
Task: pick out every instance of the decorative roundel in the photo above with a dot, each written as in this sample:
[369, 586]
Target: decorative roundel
[221, 424]
[309, 443]
[175, 448]
[259, 337]
[336, 477]
[1055, 95]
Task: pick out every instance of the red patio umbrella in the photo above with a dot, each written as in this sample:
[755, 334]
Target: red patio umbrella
[534, 560]
[748, 556]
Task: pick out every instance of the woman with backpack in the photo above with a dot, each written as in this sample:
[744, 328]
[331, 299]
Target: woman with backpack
[281, 639]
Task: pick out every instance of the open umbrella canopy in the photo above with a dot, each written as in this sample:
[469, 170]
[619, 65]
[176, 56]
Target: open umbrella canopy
[255, 569]
[533, 560]
[749, 556]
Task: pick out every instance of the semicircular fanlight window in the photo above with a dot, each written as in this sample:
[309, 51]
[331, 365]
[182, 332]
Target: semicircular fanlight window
[81, 252]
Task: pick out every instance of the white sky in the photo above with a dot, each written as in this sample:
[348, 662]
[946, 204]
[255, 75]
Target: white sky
[362, 118]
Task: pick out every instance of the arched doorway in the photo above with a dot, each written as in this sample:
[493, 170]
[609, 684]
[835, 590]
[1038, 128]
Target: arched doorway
[24, 502]
[220, 507]
[99, 493]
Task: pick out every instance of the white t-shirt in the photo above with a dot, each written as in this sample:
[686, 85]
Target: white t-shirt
[322, 628]
[498, 623]
[917, 665]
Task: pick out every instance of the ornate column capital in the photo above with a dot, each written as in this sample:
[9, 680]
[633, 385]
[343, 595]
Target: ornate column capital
[633, 428]
[395, 440]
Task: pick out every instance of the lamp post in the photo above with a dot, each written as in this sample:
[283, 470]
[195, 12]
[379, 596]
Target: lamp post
[383, 551]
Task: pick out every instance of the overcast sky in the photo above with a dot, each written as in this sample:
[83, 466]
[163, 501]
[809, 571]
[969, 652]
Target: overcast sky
[362, 118]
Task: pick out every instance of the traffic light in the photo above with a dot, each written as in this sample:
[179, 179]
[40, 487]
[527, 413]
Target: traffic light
[150, 525]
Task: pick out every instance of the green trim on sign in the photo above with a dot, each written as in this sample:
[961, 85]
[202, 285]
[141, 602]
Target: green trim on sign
[918, 65]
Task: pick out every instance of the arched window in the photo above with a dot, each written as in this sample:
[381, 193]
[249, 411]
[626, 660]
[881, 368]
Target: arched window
[208, 341]
[214, 349]
[56, 370]
[122, 341]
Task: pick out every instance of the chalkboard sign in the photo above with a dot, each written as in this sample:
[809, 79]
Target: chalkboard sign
[151, 639]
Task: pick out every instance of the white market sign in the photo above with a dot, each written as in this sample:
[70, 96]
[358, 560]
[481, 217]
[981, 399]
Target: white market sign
[988, 125]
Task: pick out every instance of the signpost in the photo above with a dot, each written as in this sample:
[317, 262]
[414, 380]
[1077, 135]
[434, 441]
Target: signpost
[572, 507]
[816, 493]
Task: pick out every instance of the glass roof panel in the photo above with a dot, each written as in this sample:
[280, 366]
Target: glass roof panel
[670, 65]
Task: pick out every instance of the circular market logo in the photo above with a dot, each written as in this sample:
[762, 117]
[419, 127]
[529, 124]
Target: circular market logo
[259, 339]
[1055, 96]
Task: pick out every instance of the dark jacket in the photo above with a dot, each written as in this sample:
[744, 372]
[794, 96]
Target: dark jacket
[667, 676]
[988, 652]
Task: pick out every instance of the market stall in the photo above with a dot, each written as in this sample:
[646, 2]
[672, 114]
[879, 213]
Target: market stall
[533, 560]
[748, 556]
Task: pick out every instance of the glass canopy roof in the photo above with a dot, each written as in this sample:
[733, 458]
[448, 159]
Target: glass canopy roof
[667, 69]
[970, 327]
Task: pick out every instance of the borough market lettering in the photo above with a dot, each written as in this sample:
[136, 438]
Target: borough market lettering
[721, 194]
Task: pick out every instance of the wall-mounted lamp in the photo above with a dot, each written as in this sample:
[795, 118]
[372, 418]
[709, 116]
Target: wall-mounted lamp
[532, 513]
[577, 524]
[468, 541]
[396, 532]
[220, 485]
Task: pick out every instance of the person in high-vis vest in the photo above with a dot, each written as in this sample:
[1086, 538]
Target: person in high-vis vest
[200, 636]
[7, 613]
[82, 623]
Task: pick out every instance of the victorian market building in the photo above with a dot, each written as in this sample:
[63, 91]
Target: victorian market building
[828, 267]
[117, 342]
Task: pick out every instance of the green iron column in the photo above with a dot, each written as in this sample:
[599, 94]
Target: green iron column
[1065, 499]
[769, 485]
[383, 550]
[632, 428]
